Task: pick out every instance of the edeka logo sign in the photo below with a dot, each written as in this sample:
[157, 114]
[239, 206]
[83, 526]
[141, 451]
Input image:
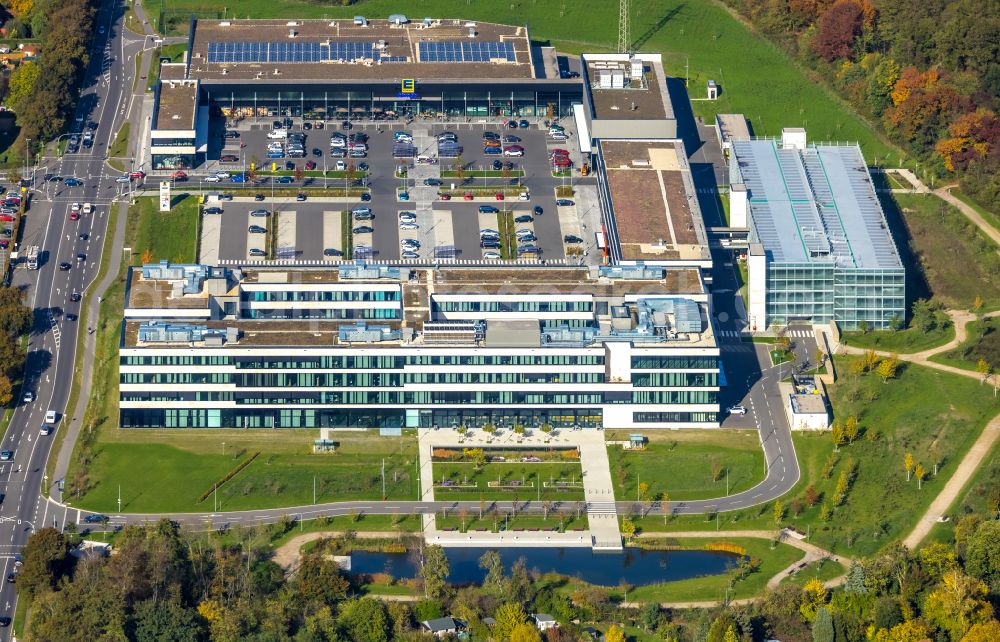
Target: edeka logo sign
[408, 89]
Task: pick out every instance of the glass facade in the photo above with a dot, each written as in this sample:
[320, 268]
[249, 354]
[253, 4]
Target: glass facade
[822, 293]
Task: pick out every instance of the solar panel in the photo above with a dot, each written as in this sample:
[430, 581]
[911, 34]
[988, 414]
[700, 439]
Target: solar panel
[461, 51]
[296, 52]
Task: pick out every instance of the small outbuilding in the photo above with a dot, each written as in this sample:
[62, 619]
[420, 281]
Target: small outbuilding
[440, 626]
[713, 90]
[544, 621]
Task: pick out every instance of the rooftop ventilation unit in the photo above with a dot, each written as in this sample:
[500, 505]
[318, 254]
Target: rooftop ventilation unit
[225, 23]
[428, 22]
[398, 19]
[291, 32]
[472, 32]
[291, 23]
[635, 68]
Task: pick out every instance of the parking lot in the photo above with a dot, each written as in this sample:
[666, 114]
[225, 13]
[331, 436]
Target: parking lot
[313, 230]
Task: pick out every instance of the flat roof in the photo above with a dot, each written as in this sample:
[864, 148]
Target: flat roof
[562, 281]
[321, 50]
[177, 106]
[656, 211]
[808, 404]
[733, 127]
[646, 100]
[814, 205]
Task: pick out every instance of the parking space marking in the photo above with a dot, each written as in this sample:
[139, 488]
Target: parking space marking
[254, 241]
[442, 229]
[286, 248]
[211, 236]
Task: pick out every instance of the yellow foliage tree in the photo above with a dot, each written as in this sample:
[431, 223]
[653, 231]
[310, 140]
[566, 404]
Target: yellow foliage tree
[525, 633]
[957, 603]
[814, 596]
[210, 610]
[908, 464]
[986, 632]
[908, 631]
[614, 634]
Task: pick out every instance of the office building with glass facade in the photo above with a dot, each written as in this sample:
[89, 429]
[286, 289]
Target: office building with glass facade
[335, 70]
[819, 246]
[388, 347]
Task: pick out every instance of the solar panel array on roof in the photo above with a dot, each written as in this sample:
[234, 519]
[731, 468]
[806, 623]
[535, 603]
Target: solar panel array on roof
[460, 51]
[286, 52]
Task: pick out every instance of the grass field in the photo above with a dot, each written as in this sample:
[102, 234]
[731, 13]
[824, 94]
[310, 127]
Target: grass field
[991, 217]
[688, 464]
[822, 570]
[702, 37]
[901, 341]
[956, 261]
[980, 496]
[169, 235]
[528, 475]
[562, 518]
[119, 148]
[933, 415]
[982, 342]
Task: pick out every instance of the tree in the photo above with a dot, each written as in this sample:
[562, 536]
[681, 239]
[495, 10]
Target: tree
[826, 512]
[649, 616]
[643, 491]
[908, 464]
[350, 175]
[508, 617]
[851, 429]
[665, 506]
[814, 596]
[319, 581]
[6, 390]
[458, 167]
[434, 571]
[812, 495]
[837, 433]
[614, 634]
[983, 368]
[983, 632]
[887, 368]
[22, 85]
[919, 473]
[855, 583]
[957, 603]
[730, 635]
[494, 580]
[837, 29]
[720, 626]
[628, 528]
[840, 492]
[822, 628]
[525, 632]
[779, 512]
[15, 316]
[937, 559]
[366, 619]
[45, 560]
[166, 620]
[982, 553]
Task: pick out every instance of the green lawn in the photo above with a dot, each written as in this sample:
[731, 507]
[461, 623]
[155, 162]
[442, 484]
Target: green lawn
[169, 235]
[528, 475]
[982, 342]
[822, 570]
[178, 466]
[991, 217]
[703, 36]
[900, 341]
[933, 415]
[688, 464]
[957, 262]
[119, 148]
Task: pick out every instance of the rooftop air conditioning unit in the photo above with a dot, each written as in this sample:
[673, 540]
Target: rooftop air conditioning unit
[472, 32]
[291, 23]
[291, 32]
[225, 23]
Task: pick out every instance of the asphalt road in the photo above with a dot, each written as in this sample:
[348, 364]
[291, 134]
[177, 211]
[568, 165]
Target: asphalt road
[106, 101]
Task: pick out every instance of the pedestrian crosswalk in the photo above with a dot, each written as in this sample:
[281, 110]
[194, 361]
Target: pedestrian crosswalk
[800, 334]
[737, 334]
[602, 508]
[730, 334]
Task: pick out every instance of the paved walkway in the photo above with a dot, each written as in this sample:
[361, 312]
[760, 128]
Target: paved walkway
[979, 449]
[287, 555]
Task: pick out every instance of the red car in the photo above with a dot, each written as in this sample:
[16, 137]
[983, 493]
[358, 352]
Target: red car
[179, 176]
[559, 152]
[311, 165]
[74, 216]
[138, 174]
[562, 161]
[444, 197]
[468, 196]
[6, 217]
[499, 196]
[4, 243]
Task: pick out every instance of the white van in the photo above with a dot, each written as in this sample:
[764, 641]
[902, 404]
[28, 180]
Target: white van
[50, 416]
[277, 134]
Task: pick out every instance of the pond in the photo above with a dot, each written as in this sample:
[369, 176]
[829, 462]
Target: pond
[635, 566]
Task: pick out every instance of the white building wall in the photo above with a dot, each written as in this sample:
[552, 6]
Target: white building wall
[757, 288]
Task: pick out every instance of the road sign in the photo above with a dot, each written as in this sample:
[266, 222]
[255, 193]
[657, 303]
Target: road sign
[164, 196]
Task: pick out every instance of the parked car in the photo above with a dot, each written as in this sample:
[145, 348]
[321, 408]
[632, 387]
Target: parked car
[488, 209]
[363, 229]
[96, 518]
[409, 254]
[524, 218]
[256, 251]
[564, 202]
[284, 180]
[229, 158]
[332, 252]
[257, 229]
[258, 197]
[230, 134]
[434, 182]
[259, 212]
[213, 210]
[492, 256]
[737, 410]
[300, 197]
[524, 124]
[310, 165]
[572, 238]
